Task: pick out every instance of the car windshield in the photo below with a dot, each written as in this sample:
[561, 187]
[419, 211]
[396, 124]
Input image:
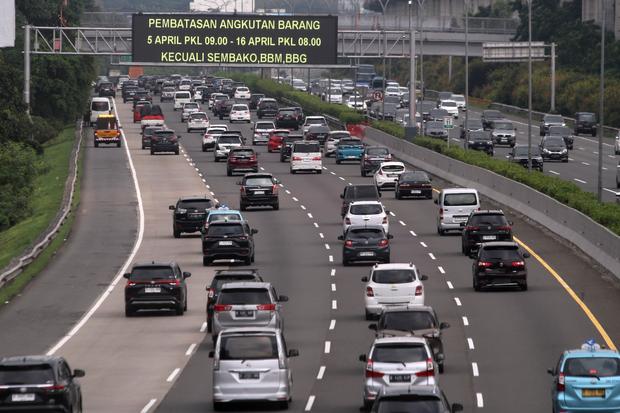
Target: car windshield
[394, 276]
[479, 136]
[106, 123]
[190, 106]
[198, 204]
[474, 124]
[254, 347]
[225, 230]
[399, 353]
[100, 106]
[592, 367]
[503, 126]
[281, 133]
[149, 131]
[229, 139]
[224, 217]
[555, 141]
[184, 95]
[488, 219]
[26, 375]
[407, 406]
[554, 119]
[500, 253]
[406, 320]
[362, 191]
[244, 296]
[350, 142]
[169, 89]
[417, 176]
[365, 209]
[314, 121]
[242, 152]
[378, 151]
[559, 130]
[588, 117]
[307, 148]
[198, 116]
[152, 272]
[259, 181]
[492, 114]
[365, 233]
[448, 104]
[460, 199]
[287, 112]
[269, 104]
[264, 125]
[219, 281]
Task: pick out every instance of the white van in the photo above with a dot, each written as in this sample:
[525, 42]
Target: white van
[99, 106]
[181, 97]
[306, 156]
[455, 205]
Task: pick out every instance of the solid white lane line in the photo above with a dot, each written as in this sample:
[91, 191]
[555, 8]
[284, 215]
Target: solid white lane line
[295, 199]
[457, 301]
[321, 235]
[423, 244]
[402, 223]
[328, 347]
[392, 214]
[585, 163]
[287, 191]
[203, 327]
[430, 254]
[413, 233]
[148, 406]
[321, 373]
[310, 215]
[465, 321]
[474, 369]
[316, 225]
[173, 375]
[334, 304]
[331, 258]
[303, 207]
[216, 200]
[333, 273]
[309, 403]
[332, 324]
[470, 343]
[326, 246]
[333, 286]
[580, 181]
[479, 400]
[441, 270]
[554, 172]
[190, 349]
[450, 286]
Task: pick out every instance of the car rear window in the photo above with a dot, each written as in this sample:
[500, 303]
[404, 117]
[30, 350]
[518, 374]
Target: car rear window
[287, 112]
[589, 117]
[460, 199]
[253, 347]
[219, 230]
[218, 282]
[369, 191]
[264, 125]
[503, 125]
[393, 276]
[182, 95]
[259, 181]
[365, 233]
[554, 119]
[592, 367]
[488, 219]
[365, 209]
[151, 273]
[190, 105]
[224, 217]
[492, 114]
[198, 116]
[26, 375]
[239, 107]
[307, 148]
[268, 104]
[164, 133]
[559, 130]
[378, 151]
[229, 139]
[407, 320]
[554, 141]
[500, 253]
[350, 142]
[199, 204]
[448, 104]
[100, 106]
[315, 121]
[416, 176]
[242, 152]
[399, 353]
[242, 296]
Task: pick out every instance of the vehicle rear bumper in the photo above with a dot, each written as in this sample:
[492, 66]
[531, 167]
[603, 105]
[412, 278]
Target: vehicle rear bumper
[237, 393]
[499, 280]
[153, 303]
[353, 255]
[227, 254]
[260, 200]
[164, 147]
[189, 226]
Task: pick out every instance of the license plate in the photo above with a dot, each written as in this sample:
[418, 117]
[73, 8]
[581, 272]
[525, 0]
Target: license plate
[249, 376]
[22, 397]
[367, 254]
[593, 392]
[489, 237]
[392, 175]
[196, 215]
[244, 313]
[416, 191]
[152, 289]
[259, 192]
[226, 243]
[400, 378]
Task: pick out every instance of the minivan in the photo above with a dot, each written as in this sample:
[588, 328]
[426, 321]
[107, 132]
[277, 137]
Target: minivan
[455, 205]
[180, 98]
[251, 364]
[99, 106]
[306, 156]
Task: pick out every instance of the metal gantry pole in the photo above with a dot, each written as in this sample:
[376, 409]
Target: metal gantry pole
[412, 80]
[599, 186]
[466, 140]
[421, 29]
[27, 68]
[529, 87]
[552, 77]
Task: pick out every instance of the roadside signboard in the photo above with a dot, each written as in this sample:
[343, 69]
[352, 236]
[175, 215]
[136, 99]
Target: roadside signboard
[377, 95]
[447, 122]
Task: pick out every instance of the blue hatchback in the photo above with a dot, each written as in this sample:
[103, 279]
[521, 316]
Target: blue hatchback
[349, 149]
[587, 380]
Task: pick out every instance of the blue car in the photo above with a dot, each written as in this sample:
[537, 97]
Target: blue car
[587, 380]
[349, 149]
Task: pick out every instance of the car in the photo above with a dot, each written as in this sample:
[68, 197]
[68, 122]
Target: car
[241, 159]
[167, 94]
[236, 380]
[398, 363]
[481, 141]
[413, 184]
[373, 157]
[187, 108]
[287, 118]
[230, 88]
[242, 92]
[197, 121]
[107, 89]
[151, 115]
[214, 98]
[617, 144]
[247, 304]
[366, 213]
[147, 133]
[438, 115]
[333, 137]
[564, 132]
[413, 320]
[222, 213]
[450, 106]
[353, 193]
[365, 244]
[549, 120]
[313, 120]
[276, 137]
[586, 379]
[211, 135]
[356, 102]
[317, 133]
[258, 189]
[156, 286]
[228, 240]
[300, 85]
[460, 101]
[137, 110]
[190, 213]
[348, 149]
[287, 146]
[224, 143]
[128, 92]
[488, 116]
[472, 125]
[503, 132]
[499, 263]
[261, 131]
[392, 91]
[553, 148]
[185, 84]
[199, 93]
[519, 154]
[585, 122]
[164, 140]
[425, 107]
[436, 129]
[98, 106]
[239, 113]
[141, 94]
[333, 95]
[415, 399]
[455, 205]
[267, 107]
[386, 176]
[306, 156]
[484, 225]
[223, 108]
[385, 110]
[254, 98]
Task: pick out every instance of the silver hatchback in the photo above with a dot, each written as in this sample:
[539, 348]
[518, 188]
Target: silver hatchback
[247, 304]
[251, 364]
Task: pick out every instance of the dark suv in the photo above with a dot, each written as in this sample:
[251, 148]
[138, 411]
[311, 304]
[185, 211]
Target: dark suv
[107, 89]
[164, 140]
[259, 189]
[489, 116]
[317, 133]
[222, 277]
[501, 264]
[353, 193]
[267, 107]
[39, 383]
[254, 98]
[372, 157]
[287, 146]
[585, 122]
[223, 107]
[228, 240]
[288, 118]
[190, 214]
[156, 286]
[485, 226]
[147, 133]
[241, 159]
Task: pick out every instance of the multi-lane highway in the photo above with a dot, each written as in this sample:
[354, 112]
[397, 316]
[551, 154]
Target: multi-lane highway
[497, 350]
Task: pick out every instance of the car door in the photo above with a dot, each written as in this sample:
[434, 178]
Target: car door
[66, 378]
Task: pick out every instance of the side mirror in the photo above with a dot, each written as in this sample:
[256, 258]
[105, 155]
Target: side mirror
[387, 211]
[372, 326]
[362, 357]
[423, 277]
[551, 371]
[526, 255]
[283, 298]
[444, 325]
[364, 279]
[171, 207]
[390, 236]
[341, 237]
[293, 352]
[440, 357]
[79, 373]
[187, 274]
[457, 407]
[211, 354]
[342, 196]
[127, 275]
[436, 201]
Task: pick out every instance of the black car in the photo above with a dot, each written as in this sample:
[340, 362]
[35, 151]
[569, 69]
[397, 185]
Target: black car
[147, 133]
[414, 399]
[258, 189]
[372, 157]
[164, 140]
[564, 132]
[553, 148]
[128, 92]
[424, 108]
[519, 154]
[435, 129]
[585, 122]
[489, 116]
[39, 383]
[287, 146]
[156, 286]
[141, 94]
[550, 120]
[472, 125]
[254, 98]
[107, 89]
[499, 264]
[222, 277]
[365, 244]
[354, 193]
[267, 107]
[413, 183]
[485, 226]
[481, 141]
[287, 118]
[419, 320]
[223, 107]
[438, 115]
[317, 133]
[228, 240]
[190, 213]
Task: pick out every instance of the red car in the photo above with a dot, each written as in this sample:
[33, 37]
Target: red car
[275, 139]
[137, 111]
[241, 159]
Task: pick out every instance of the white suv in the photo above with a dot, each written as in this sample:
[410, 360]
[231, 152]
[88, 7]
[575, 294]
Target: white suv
[240, 112]
[242, 92]
[262, 130]
[362, 213]
[387, 174]
[392, 285]
[197, 121]
[450, 106]
[312, 121]
[306, 156]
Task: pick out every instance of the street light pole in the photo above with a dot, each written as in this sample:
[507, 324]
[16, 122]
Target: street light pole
[420, 26]
[412, 124]
[529, 87]
[601, 107]
[466, 140]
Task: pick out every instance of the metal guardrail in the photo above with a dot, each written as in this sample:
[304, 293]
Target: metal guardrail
[14, 269]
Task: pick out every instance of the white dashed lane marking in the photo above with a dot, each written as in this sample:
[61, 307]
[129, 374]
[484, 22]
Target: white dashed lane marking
[332, 324]
[328, 347]
[479, 400]
[430, 254]
[441, 270]
[392, 214]
[334, 305]
[474, 369]
[413, 233]
[457, 301]
[303, 207]
[554, 172]
[580, 181]
[450, 286]
[470, 343]
[295, 199]
[173, 375]
[191, 349]
[309, 403]
[321, 235]
[331, 258]
[326, 246]
[203, 327]
[402, 223]
[465, 321]
[424, 244]
[316, 225]
[333, 287]
[333, 272]
[148, 406]
[310, 215]
[321, 373]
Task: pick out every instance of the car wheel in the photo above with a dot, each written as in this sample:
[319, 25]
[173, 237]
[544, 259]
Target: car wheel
[242, 206]
[283, 405]
[320, 171]
[465, 250]
[345, 262]
[276, 206]
[228, 172]
[368, 315]
[143, 147]
[253, 257]
[523, 286]
[129, 312]
[440, 231]
[293, 171]
[204, 148]
[564, 160]
[281, 159]
[118, 145]
[176, 152]
[217, 406]
[216, 159]
[363, 173]
[247, 261]
[221, 117]
[594, 134]
[152, 152]
[337, 161]
[206, 261]
[96, 144]
[476, 284]
[440, 368]
[176, 233]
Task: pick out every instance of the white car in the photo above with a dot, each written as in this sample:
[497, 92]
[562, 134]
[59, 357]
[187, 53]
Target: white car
[197, 121]
[306, 156]
[262, 130]
[460, 101]
[180, 98]
[392, 91]
[185, 84]
[300, 85]
[356, 103]
[189, 108]
[347, 85]
[362, 213]
[395, 284]
[617, 144]
[332, 141]
[334, 95]
[211, 135]
[450, 106]
[223, 144]
[240, 112]
[403, 90]
[198, 94]
[387, 174]
[313, 120]
[242, 92]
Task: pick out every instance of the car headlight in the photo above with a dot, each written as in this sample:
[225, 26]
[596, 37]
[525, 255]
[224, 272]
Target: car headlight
[564, 150]
[546, 150]
[489, 142]
[181, 211]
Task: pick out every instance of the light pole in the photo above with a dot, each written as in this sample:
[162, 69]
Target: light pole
[466, 140]
[529, 87]
[601, 107]
[420, 26]
[412, 124]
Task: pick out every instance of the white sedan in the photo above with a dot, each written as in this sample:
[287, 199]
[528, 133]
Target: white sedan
[211, 135]
[240, 112]
[197, 121]
[450, 106]
[242, 92]
[387, 174]
[189, 107]
[363, 213]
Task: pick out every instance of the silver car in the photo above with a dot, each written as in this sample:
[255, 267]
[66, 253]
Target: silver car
[245, 304]
[251, 364]
[397, 362]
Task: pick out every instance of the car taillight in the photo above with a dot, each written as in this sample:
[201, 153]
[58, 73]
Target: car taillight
[347, 221]
[222, 307]
[232, 158]
[253, 157]
[484, 264]
[369, 292]
[418, 290]
[504, 228]
[383, 242]
[243, 238]
[430, 369]
[242, 190]
[130, 284]
[296, 158]
[170, 282]
[517, 264]
[385, 220]
[54, 388]
[266, 307]
[388, 158]
[316, 158]
[348, 243]
[274, 188]
[370, 373]
[471, 228]
[211, 292]
[560, 385]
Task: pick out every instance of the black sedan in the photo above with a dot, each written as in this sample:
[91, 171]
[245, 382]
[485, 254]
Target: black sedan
[519, 154]
[499, 264]
[481, 141]
[414, 183]
[365, 244]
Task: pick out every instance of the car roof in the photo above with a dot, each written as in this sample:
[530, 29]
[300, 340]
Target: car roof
[28, 360]
[234, 271]
[258, 175]
[371, 202]
[398, 339]
[408, 308]
[194, 197]
[395, 266]
[459, 190]
[495, 244]
[249, 330]
[221, 223]
[315, 117]
[245, 284]
[98, 99]
[392, 163]
[224, 211]
[154, 264]
[488, 212]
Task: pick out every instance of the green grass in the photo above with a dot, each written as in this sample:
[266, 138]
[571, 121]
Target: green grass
[48, 193]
